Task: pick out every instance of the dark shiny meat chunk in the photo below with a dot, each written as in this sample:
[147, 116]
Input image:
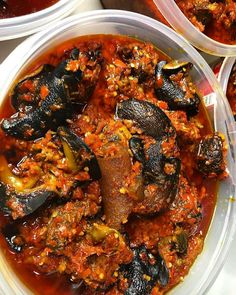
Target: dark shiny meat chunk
[144, 272]
[176, 97]
[22, 204]
[26, 93]
[210, 156]
[160, 173]
[34, 124]
[203, 16]
[52, 97]
[151, 119]
[79, 153]
[161, 177]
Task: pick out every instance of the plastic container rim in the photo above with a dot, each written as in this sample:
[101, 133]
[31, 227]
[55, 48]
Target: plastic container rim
[16, 27]
[225, 71]
[18, 20]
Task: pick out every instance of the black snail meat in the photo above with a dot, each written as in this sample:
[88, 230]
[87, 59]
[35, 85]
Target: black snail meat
[151, 119]
[210, 155]
[144, 271]
[154, 123]
[173, 94]
[51, 94]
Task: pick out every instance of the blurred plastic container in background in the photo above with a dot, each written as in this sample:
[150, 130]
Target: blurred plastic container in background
[170, 14]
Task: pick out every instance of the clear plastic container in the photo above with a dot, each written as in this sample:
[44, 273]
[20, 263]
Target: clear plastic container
[225, 72]
[183, 26]
[217, 243]
[15, 27]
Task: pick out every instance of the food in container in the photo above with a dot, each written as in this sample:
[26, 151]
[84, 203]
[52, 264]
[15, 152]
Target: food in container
[13, 8]
[227, 78]
[168, 12]
[216, 19]
[118, 158]
[231, 91]
[208, 43]
[25, 19]
[95, 164]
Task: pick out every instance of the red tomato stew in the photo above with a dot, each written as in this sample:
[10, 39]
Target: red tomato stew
[216, 19]
[108, 170]
[12, 8]
[231, 91]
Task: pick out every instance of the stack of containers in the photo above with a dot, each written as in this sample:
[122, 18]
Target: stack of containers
[222, 230]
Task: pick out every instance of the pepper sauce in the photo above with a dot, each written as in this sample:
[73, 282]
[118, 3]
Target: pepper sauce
[216, 19]
[231, 91]
[196, 193]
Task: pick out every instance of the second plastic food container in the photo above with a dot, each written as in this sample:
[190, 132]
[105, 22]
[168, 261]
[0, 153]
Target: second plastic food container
[16, 27]
[182, 25]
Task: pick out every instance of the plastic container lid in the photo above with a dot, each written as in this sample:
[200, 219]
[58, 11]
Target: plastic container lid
[182, 25]
[14, 27]
[217, 243]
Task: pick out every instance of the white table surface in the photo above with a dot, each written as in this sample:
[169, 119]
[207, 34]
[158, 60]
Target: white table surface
[225, 283]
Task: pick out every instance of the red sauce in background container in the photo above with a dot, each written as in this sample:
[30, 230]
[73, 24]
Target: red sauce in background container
[216, 19]
[168, 12]
[225, 77]
[12, 8]
[27, 17]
